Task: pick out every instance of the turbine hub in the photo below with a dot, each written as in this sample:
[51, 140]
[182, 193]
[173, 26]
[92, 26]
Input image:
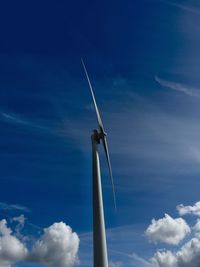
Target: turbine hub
[97, 136]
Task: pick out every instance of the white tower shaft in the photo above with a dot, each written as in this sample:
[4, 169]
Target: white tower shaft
[99, 235]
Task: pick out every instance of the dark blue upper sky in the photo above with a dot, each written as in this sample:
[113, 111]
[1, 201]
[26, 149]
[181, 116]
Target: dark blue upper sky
[143, 60]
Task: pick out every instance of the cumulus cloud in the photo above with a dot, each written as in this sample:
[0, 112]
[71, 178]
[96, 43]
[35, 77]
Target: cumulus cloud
[57, 247]
[184, 210]
[196, 228]
[164, 259]
[187, 256]
[167, 230]
[11, 248]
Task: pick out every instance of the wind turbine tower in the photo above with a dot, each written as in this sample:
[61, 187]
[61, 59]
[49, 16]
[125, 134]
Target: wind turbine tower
[99, 234]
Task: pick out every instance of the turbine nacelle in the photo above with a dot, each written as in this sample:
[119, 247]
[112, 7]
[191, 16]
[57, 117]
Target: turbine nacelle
[99, 135]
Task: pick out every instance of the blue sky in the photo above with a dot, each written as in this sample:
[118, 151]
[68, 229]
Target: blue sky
[143, 60]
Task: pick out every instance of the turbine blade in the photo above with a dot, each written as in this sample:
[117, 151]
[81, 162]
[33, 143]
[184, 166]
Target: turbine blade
[103, 134]
[105, 145]
[94, 101]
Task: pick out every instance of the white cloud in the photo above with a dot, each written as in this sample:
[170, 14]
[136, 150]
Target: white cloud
[6, 206]
[17, 119]
[13, 118]
[164, 259]
[187, 256]
[57, 247]
[178, 87]
[11, 248]
[167, 230]
[196, 228]
[194, 210]
[184, 7]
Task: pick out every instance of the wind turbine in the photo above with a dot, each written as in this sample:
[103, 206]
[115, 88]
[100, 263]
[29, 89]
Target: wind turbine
[99, 234]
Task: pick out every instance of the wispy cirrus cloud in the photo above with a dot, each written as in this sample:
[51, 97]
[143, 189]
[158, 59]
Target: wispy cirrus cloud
[139, 261]
[184, 7]
[14, 118]
[178, 87]
[120, 240]
[6, 206]
[131, 260]
[41, 125]
[115, 264]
